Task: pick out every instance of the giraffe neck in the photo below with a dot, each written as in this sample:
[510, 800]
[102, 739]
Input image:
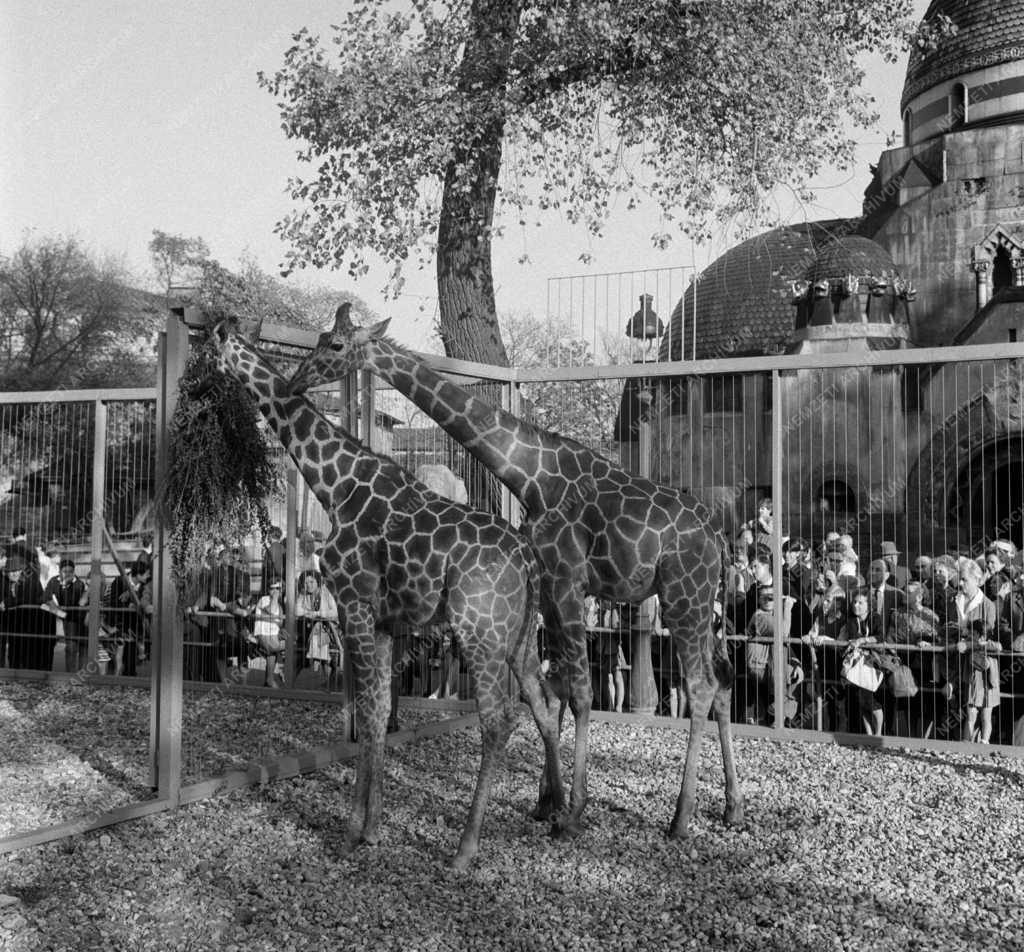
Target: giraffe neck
[510, 448]
[301, 428]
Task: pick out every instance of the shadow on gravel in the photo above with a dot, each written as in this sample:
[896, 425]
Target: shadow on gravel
[965, 769]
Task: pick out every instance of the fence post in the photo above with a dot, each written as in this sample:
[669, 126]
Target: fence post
[99, 481]
[167, 641]
[779, 646]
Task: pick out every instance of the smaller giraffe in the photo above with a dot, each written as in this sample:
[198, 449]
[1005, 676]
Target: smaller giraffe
[399, 553]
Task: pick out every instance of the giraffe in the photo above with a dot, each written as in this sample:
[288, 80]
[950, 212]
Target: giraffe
[597, 529]
[398, 552]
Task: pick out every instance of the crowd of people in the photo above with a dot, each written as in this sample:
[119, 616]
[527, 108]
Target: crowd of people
[44, 602]
[231, 627]
[934, 648]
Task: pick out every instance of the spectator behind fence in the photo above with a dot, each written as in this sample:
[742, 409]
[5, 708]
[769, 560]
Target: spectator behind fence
[921, 570]
[1000, 590]
[885, 598]
[32, 631]
[760, 632]
[273, 559]
[864, 627]
[917, 627]
[230, 595]
[898, 575]
[129, 606]
[48, 560]
[979, 677]
[68, 595]
[320, 642]
[763, 526]
[944, 589]
[21, 547]
[268, 631]
[825, 672]
[5, 600]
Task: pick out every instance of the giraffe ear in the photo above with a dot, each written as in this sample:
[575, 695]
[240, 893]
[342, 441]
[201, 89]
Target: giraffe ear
[342, 322]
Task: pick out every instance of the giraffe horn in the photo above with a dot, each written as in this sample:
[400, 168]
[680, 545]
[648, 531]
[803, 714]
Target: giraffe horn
[342, 322]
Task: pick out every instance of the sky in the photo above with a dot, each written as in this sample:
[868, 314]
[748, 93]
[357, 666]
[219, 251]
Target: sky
[121, 117]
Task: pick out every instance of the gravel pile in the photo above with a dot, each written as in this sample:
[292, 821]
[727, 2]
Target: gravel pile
[841, 849]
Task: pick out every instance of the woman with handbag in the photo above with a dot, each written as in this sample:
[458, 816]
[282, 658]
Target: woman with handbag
[864, 627]
[318, 617]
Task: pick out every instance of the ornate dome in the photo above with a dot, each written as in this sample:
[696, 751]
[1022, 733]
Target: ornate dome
[989, 32]
[743, 298]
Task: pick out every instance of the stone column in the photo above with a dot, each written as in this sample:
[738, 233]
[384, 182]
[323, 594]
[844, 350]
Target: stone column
[983, 278]
[1017, 263]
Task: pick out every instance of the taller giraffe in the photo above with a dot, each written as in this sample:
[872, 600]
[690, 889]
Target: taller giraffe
[398, 552]
[598, 530]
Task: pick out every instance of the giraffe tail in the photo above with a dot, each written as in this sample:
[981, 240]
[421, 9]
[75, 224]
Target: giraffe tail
[531, 604]
[722, 666]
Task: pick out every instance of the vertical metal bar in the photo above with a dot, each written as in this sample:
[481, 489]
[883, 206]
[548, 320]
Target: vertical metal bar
[291, 543]
[99, 480]
[369, 411]
[777, 512]
[166, 633]
[511, 402]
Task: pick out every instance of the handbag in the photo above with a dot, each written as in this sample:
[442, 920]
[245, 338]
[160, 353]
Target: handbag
[859, 671]
[901, 681]
[759, 657]
[319, 643]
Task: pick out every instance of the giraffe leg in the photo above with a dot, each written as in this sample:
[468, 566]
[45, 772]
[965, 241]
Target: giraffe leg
[580, 700]
[489, 675]
[563, 613]
[700, 694]
[545, 709]
[723, 705]
[379, 711]
[370, 714]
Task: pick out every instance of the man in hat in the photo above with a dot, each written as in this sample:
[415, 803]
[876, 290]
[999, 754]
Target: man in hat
[898, 575]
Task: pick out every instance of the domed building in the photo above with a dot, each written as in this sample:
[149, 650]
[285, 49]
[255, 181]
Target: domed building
[936, 259]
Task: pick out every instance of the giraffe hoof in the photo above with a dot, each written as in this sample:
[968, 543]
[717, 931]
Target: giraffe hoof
[733, 815]
[459, 863]
[567, 829]
[546, 810]
[678, 829]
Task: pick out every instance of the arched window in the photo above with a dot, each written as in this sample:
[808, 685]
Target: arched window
[958, 106]
[1002, 270]
[907, 122]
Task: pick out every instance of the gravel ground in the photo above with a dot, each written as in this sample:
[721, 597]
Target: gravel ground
[841, 849]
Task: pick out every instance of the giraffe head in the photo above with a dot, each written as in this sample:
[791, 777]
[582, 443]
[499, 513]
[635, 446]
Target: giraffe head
[337, 353]
[232, 349]
[231, 353]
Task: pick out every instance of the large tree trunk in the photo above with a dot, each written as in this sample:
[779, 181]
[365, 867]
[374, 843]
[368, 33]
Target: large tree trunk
[465, 285]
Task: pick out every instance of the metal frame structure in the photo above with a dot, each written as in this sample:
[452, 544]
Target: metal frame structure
[167, 678]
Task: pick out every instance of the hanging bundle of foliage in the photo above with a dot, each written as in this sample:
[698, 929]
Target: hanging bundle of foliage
[221, 469]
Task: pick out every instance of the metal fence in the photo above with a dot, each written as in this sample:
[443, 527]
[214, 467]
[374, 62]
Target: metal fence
[920, 452]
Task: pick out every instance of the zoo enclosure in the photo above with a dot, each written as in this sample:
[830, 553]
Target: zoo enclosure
[948, 476]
